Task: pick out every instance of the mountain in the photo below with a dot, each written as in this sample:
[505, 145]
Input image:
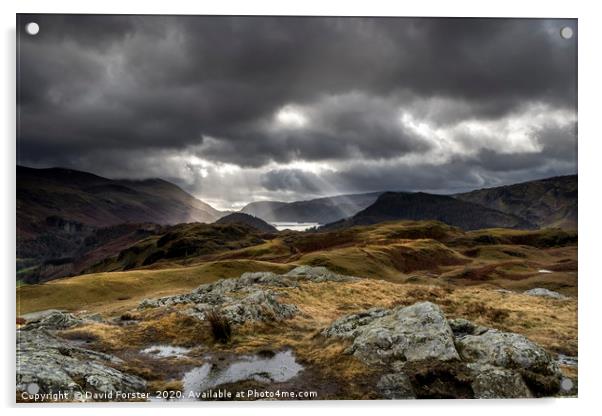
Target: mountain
[548, 202]
[264, 209]
[392, 206]
[320, 210]
[246, 219]
[93, 201]
[67, 219]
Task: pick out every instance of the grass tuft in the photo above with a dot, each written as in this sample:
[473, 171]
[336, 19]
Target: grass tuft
[220, 327]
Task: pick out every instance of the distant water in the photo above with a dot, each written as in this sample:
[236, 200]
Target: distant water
[295, 226]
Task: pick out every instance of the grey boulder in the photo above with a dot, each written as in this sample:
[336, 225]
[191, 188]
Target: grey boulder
[52, 365]
[412, 333]
[546, 293]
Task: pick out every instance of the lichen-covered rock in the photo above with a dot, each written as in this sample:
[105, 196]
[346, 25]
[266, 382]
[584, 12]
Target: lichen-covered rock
[246, 297]
[53, 321]
[508, 350]
[318, 274]
[546, 293]
[54, 365]
[413, 333]
[417, 348]
[350, 326]
[497, 383]
[258, 305]
[395, 386]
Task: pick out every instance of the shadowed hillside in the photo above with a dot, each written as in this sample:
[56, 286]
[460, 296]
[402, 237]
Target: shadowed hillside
[548, 202]
[392, 206]
[58, 210]
[181, 243]
[255, 222]
[94, 201]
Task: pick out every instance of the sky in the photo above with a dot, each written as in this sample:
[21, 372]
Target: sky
[241, 109]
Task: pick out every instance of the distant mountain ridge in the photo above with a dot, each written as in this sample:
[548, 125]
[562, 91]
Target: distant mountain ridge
[393, 206]
[67, 220]
[319, 210]
[95, 201]
[550, 202]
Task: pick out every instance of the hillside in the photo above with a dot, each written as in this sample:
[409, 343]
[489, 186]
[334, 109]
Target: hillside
[320, 210]
[94, 201]
[241, 218]
[392, 206]
[72, 253]
[179, 244]
[58, 209]
[548, 202]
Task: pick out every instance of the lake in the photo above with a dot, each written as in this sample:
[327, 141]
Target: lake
[295, 226]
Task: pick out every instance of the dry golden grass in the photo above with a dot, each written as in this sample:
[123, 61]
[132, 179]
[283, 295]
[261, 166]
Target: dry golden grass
[114, 292]
[158, 326]
[551, 323]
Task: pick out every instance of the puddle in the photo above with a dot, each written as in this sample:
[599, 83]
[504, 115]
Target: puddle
[277, 368]
[567, 360]
[166, 351]
[544, 271]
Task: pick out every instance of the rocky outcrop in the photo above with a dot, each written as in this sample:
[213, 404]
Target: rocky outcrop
[422, 354]
[247, 297]
[414, 333]
[47, 364]
[258, 305]
[53, 321]
[546, 293]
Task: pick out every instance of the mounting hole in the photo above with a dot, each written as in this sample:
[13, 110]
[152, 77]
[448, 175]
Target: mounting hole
[566, 32]
[32, 28]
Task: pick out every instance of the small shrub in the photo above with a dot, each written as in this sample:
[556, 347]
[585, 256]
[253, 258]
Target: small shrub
[128, 316]
[220, 327]
[497, 315]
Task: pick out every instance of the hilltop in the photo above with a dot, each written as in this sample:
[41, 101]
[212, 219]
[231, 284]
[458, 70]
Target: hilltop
[550, 202]
[392, 206]
[241, 218]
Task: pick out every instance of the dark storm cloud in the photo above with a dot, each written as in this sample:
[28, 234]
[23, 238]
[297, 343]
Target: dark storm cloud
[100, 87]
[291, 179]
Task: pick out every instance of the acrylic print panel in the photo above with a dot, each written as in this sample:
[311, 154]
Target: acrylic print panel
[295, 208]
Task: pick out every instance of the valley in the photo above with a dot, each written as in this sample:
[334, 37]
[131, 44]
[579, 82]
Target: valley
[237, 305]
